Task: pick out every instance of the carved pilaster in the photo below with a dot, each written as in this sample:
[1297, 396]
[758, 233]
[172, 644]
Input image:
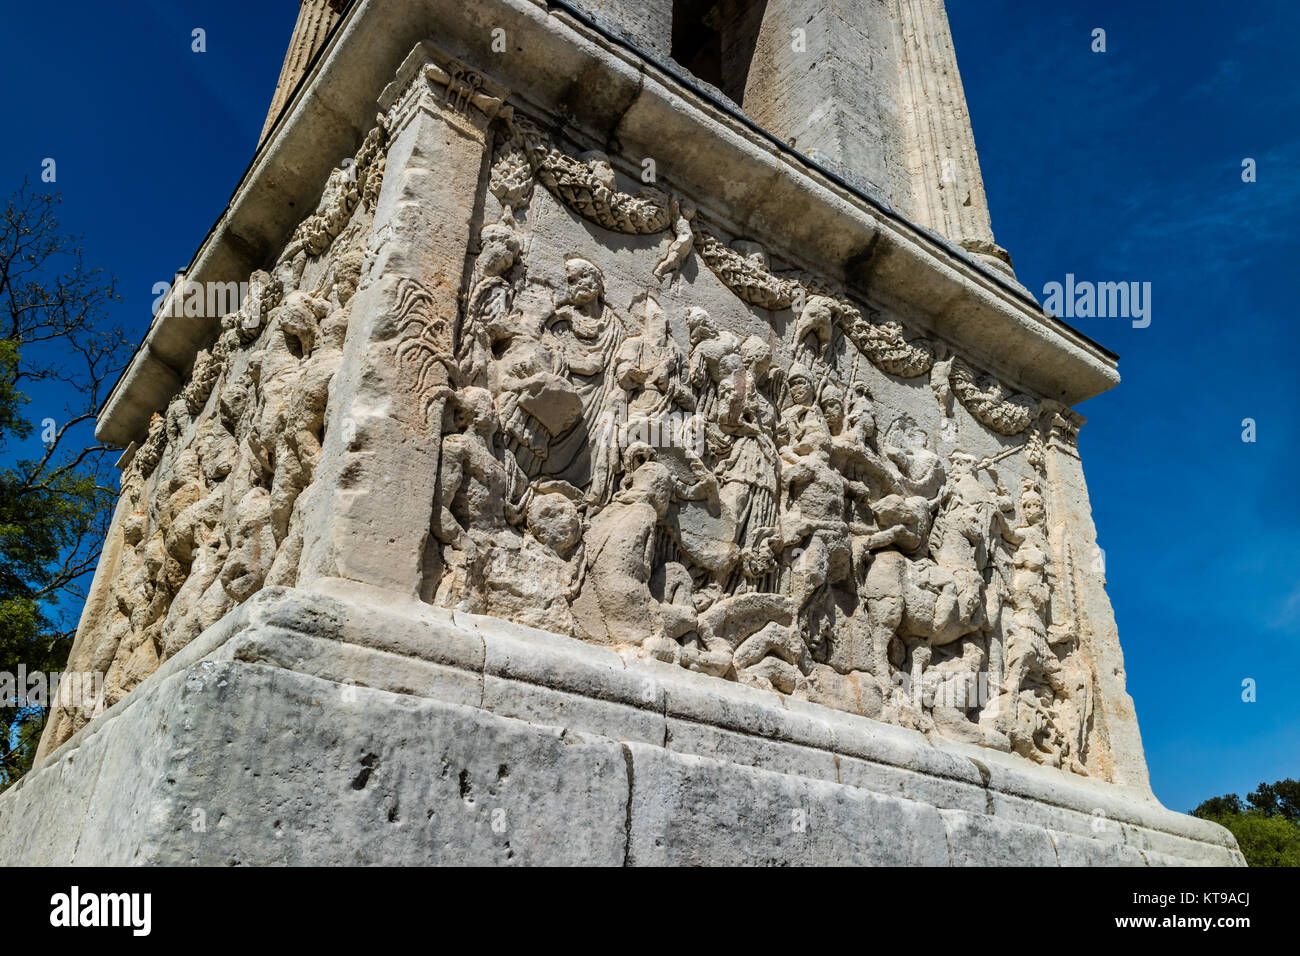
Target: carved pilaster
[947, 187]
[1080, 603]
[382, 440]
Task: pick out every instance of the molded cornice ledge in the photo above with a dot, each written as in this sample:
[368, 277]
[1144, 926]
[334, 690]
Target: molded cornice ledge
[607, 92]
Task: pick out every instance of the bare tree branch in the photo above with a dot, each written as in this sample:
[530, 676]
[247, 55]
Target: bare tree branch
[54, 311]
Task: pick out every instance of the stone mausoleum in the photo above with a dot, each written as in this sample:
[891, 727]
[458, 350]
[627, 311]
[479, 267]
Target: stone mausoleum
[631, 447]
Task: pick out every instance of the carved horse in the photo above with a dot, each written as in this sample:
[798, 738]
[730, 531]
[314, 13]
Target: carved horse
[915, 597]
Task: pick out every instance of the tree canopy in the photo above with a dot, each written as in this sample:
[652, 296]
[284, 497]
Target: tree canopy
[1266, 824]
[56, 340]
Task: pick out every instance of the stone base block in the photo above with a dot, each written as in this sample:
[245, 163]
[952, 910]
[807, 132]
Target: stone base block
[310, 729]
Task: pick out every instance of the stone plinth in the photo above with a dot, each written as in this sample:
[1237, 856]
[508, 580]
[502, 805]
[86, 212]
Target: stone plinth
[307, 729]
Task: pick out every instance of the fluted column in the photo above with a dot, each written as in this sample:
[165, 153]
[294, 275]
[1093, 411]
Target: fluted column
[947, 187]
[315, 20]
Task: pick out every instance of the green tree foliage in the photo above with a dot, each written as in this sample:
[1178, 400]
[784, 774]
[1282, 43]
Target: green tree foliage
[1277, 799]
[1264, 841]
[55, 490]
[1266, 824]
[1227, 804]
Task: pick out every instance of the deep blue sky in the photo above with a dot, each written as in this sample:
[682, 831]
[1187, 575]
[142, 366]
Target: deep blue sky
[1117, 166]
[1127, 166]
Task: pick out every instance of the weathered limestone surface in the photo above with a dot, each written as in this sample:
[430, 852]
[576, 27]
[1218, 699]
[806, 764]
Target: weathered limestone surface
[842, 102]
[307, 729]
[867, 88]
[651, 487]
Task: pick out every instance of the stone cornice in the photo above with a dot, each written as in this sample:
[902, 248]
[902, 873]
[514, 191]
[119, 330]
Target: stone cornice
[606, 91]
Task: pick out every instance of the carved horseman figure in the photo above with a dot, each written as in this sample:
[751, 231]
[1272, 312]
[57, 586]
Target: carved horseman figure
[563, 502]
[939, 598]
[963, 534]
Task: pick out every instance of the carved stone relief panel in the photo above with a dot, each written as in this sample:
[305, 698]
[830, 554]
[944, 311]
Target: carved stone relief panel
[647, 431]
[212, 500]
[665, 438]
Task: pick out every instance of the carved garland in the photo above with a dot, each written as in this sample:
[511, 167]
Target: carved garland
[593, 196]
[750, 282]
[990, 402]
[588, 189]
[883, 343]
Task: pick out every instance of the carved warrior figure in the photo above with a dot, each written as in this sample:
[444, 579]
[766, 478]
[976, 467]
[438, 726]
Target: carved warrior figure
[481, 499]
[802, 420]
[749, 466]
[710, 352]
[1039, 702]
[474, 487]
[491, 299]
[939, 598]
[726, 537]
[619, 606]
[831, 530]
[510, 549]
[650, 371]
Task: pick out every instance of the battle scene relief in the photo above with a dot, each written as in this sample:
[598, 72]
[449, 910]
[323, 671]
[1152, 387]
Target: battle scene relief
[669, 441]
[212, 499]
[655, 434]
